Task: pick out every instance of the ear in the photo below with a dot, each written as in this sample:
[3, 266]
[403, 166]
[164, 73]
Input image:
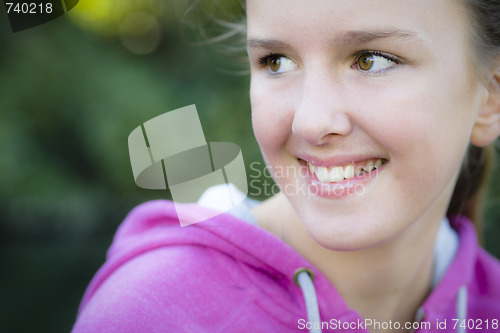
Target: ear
[487, 126]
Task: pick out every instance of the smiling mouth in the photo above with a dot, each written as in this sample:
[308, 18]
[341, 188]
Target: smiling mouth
[339, 173]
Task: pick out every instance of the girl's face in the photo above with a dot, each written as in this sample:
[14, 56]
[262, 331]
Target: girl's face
[339, 87]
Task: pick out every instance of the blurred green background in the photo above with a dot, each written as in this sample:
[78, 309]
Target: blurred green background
[71, 91]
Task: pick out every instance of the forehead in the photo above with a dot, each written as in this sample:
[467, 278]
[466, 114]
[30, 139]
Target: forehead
[335, 20]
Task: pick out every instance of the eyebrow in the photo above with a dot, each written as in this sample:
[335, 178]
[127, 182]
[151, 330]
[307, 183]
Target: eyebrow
[254, 43]
[342, 38]
[364, 36]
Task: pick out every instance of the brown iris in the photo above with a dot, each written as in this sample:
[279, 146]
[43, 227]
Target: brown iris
[365, 62]
[275, 64]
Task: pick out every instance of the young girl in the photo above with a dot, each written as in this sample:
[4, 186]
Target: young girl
[378, 112]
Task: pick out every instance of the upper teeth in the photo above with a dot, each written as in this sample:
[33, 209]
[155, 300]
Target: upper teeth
[339, 173]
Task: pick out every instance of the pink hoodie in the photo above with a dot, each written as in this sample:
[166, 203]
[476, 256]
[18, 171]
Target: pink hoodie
[227, 275]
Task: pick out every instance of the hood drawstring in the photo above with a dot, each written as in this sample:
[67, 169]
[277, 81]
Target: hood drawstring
[462, 309]
[419, 317]
[303, 277]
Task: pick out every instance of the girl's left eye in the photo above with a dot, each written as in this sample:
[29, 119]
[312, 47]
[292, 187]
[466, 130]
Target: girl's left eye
[277, 63]
[374, 62]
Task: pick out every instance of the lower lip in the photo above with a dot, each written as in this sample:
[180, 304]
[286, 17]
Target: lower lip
[346, 188]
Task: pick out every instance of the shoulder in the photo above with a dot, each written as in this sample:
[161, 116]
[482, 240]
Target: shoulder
[159, 276]
[484, 289]
[470, 287]
[484, 275]
[172, 288]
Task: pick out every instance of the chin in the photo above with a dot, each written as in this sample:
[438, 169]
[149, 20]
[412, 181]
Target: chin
[347, 234]
[350, 243]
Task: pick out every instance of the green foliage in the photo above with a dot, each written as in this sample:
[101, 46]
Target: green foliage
[68, 100]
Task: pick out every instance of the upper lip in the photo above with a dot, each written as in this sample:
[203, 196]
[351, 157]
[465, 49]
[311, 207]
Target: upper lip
[340, 160]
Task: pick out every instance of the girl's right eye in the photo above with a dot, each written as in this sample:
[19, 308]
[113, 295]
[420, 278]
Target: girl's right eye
[277, 63]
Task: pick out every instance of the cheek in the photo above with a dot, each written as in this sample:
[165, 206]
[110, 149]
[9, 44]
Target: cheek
[426, 129]
[272, 117]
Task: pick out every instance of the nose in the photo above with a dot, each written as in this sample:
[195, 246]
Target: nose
[322, 110]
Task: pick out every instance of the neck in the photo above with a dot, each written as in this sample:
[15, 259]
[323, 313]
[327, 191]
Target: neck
[386, 282]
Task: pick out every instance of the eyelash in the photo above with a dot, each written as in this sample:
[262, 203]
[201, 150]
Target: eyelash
[388, 56]
[264, 60]
[396, 60]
